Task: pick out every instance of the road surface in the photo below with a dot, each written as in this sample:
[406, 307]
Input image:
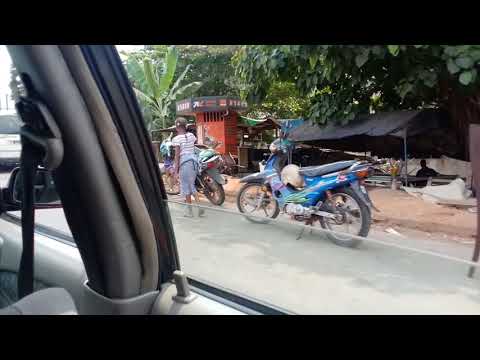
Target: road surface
[311, 275]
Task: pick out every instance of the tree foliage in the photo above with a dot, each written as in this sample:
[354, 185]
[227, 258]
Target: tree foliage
[341, 81]
[155, 85]
[283, 101]
[211, 65]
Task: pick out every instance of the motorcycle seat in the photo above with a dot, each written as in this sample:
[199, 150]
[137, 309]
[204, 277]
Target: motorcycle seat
[326, 169]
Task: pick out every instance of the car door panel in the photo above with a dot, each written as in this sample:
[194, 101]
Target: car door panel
[201, 305]
[56, 263]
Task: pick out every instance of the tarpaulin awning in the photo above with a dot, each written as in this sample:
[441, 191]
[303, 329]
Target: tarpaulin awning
[284, 124]
[259, 124]
[380, 124]
[251, 122]
[290, 124]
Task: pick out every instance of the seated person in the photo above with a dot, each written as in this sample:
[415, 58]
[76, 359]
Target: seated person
[425, 172]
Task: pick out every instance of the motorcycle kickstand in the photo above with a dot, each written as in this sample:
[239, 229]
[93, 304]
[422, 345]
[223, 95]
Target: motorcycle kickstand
[303, 230]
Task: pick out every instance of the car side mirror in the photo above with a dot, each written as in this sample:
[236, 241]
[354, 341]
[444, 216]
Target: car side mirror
[46, 195]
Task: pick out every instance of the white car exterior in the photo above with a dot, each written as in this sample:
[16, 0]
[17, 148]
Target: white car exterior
[10, 146]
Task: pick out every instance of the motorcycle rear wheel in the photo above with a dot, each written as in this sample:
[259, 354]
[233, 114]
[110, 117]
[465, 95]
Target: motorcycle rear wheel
[257, 190]
[364, 221]
[214, 191]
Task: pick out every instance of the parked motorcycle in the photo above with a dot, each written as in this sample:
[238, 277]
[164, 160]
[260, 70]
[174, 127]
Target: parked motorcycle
[209, 181]
[332, 195]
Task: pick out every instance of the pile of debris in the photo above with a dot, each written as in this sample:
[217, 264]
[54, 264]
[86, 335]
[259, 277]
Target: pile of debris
[454, 194]
[399, 210]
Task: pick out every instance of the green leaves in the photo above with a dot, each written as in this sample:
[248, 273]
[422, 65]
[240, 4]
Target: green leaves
[153, 85]
[451, 50]
[169, 67]
[452, 67]
[393, 49]
[135, 72]
[461, 60]
[428, 77]
[464, 62]
[378, 51]
[362, 58]
[475, 55]
[179, 79]
[400, 76]
[404, 89]
[467, 77]
[151, 78]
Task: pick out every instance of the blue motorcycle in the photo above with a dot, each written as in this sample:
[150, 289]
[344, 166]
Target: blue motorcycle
[332, 195]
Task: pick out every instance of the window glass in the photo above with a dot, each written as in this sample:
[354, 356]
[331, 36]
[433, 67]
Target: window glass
[10, 146]
[319, 252]
[299, 269]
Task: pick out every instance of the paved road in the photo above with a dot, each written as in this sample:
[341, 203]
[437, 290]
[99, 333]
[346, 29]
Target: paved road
[313, 276]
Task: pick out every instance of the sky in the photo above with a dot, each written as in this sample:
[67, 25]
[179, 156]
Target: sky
[4, 72]
[5, 63]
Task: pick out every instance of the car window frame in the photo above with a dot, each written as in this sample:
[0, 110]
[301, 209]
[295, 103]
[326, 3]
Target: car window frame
[110, 75]
[41, 229]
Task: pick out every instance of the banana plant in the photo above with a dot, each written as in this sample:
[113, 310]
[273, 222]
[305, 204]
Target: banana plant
[153, 86]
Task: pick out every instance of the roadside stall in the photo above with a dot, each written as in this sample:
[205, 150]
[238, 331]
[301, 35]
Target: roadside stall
[255, 135]
[216, 120]
[398, 135]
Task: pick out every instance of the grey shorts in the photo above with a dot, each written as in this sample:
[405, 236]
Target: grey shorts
[187, 174]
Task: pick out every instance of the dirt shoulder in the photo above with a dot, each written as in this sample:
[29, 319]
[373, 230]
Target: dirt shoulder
[399, 208]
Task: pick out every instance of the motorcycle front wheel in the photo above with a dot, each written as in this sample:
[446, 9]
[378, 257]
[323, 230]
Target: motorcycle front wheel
[250, 201]
[353, 218]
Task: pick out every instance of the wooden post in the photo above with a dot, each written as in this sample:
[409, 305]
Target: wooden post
[405, 156]
[475, 159]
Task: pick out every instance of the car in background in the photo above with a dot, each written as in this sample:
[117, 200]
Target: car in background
[10, 146]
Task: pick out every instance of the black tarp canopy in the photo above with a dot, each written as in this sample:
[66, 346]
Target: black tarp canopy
[384, 133]
[381, 124]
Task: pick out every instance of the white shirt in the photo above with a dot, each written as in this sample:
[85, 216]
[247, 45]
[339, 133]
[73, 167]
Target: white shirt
[186, 142]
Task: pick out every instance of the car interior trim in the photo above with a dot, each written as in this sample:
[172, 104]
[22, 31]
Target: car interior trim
[115, 152]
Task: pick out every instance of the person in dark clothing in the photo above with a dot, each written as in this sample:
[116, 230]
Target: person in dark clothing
[425, 171]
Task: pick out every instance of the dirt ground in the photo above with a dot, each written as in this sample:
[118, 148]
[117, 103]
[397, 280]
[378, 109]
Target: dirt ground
[400, 209]
[408, 215]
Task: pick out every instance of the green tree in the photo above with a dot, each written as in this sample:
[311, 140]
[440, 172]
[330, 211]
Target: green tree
[282, 101]
[154, 85]
[211, 65]
[344, 80]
